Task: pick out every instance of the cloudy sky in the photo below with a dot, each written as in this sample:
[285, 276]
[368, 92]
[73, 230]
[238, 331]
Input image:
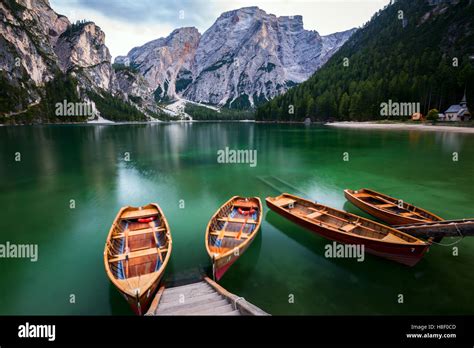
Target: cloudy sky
[130, 23]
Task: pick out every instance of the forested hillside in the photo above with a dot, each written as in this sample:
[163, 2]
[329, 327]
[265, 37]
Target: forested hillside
[410, 51]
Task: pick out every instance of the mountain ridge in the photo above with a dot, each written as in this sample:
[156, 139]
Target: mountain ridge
[45, 59]
[222, 71]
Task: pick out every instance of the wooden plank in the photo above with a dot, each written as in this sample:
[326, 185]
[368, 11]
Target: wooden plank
[202, 298]
[156, 301]
[384, 200]
[227, 234]
[348, 227]
[386, 205]
[314, 215]
[139, 253]
[322, 211]
[447, 228]
[181, 301]
[217, 310]
[244, 307]
[187, 287]
[363, 195]
[192, 308]
[175, 296]
[284, 201]
[138, 232]
[139, 282]
[127, 249]
[240, 221]
[157, 242]
[392, 238]
[135, 214]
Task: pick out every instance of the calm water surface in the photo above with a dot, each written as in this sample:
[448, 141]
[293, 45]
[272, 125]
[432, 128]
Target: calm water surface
[173, 162]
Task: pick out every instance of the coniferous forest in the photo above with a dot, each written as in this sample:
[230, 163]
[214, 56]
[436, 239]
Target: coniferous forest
[410, 51]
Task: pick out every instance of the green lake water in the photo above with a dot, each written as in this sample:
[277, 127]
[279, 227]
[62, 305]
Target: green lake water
[174, 162]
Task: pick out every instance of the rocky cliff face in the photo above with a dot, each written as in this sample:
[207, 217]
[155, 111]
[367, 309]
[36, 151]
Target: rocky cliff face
[166, 63]
[29, 29]
[81, 50]
[246, 57]
[39, 46]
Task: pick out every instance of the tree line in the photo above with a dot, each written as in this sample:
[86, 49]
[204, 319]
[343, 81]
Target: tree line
[402, 55]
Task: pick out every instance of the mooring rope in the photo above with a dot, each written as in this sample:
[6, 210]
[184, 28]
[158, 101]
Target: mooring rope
[455, 242]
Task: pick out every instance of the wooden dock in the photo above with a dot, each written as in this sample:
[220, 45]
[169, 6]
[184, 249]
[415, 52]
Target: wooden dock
[440, 229]
[204, 297]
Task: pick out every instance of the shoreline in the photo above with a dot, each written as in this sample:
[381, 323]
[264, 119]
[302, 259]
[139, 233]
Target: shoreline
[401, 126]
[122, 123]
[341, 124]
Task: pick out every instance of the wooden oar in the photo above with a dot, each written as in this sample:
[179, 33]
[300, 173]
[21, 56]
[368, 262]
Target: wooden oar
[126, 252]
[222, 232]
[239, 235]
[157, 243]
[220, 237]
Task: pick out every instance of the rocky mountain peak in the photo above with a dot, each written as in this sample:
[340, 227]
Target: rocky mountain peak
[248, 56]
[82, 45]
[293, 23]
[245, 57]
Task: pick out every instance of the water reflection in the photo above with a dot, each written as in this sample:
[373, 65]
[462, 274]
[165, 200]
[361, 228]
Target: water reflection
[173, 162]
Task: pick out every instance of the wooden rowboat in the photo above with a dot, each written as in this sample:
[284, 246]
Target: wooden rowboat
[137, 252]
[388, 209]
[347, 228]
[231, 230]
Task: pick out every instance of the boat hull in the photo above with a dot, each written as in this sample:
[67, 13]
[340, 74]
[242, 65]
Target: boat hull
[221, 262]
[383, 215]
[140, 306]
[222, 265]
[408, 255]
[145, 239]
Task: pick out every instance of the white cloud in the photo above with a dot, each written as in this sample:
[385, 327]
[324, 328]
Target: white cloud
[120, 36]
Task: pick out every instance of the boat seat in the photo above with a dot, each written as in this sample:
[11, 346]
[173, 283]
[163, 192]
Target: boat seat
[229, 234]
[362, 195]
[408, 214]
[386, 205]
[138, 232]
[240, 221]
[282, 202]
[348, 227]
[314, 215]
[392, 238]
[137, 214]
[139, 253]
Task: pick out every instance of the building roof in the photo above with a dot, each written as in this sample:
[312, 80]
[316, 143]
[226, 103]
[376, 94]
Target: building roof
[454, 109]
